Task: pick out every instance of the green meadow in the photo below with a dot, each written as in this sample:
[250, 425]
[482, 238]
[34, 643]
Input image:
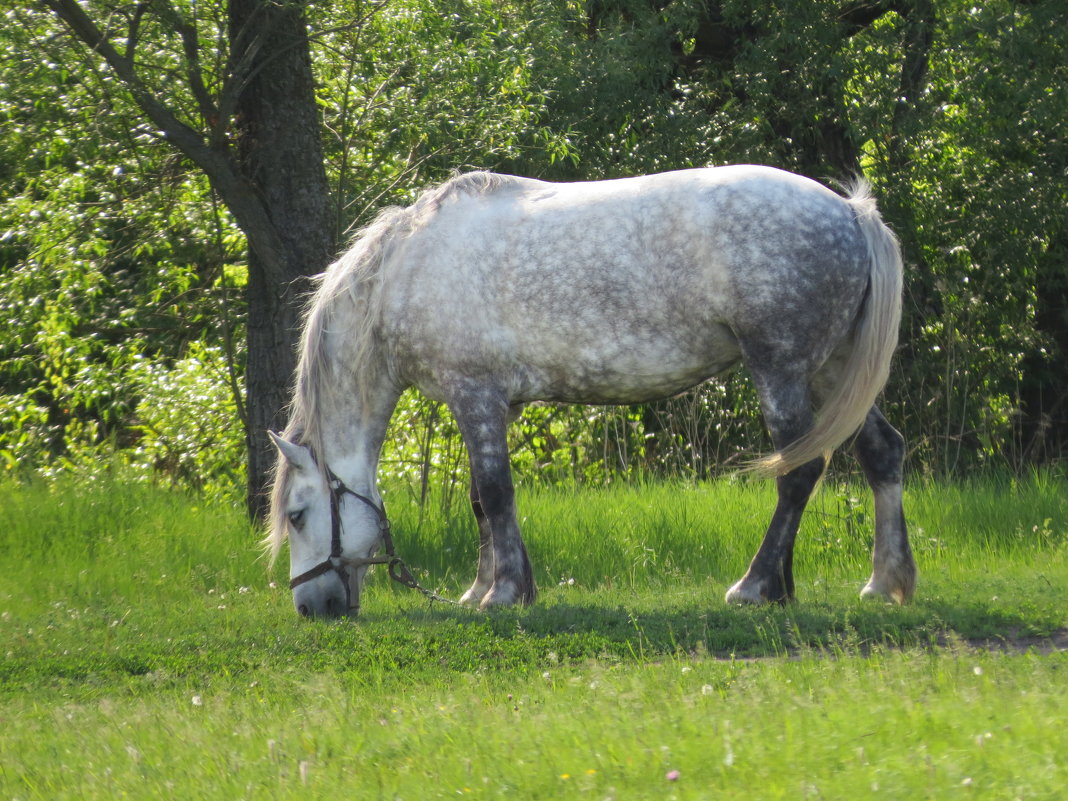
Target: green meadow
[149, 651]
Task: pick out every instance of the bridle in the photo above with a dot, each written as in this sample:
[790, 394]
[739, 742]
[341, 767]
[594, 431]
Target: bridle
[337, 561]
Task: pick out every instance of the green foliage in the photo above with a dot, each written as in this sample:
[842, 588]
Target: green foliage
[120, 277]
[986, 190]
[414, 90]
[186, 416]
[112, 254]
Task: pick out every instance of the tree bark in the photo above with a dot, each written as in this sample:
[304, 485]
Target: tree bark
[280, 155]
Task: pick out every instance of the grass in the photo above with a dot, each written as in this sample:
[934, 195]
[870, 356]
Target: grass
[146, 653]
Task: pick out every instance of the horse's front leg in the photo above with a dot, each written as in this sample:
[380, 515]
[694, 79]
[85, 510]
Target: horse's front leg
[483, 416]
[484, 578]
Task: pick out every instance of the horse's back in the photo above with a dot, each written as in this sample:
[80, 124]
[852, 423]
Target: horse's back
[626, 289]
[717, 225]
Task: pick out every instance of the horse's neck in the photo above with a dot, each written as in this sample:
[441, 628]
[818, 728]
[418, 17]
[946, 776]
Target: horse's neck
[352, 437]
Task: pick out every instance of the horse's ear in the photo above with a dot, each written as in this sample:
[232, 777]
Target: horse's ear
[297, 456]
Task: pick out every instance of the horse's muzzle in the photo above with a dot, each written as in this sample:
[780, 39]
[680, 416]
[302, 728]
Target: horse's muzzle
[325, 598]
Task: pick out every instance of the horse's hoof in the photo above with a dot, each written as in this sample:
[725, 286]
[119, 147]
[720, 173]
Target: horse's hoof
[474, 596]
[506, 594]
[757, 591]
[894, 582]
[498, 597]
[874, 592]
[745, 592]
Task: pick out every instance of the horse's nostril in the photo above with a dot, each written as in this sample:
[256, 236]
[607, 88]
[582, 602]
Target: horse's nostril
[304, 611]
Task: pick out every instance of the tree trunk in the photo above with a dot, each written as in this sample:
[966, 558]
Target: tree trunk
[281, 157]
[276, 187]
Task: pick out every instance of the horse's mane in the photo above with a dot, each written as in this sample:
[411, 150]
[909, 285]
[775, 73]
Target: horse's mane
[355, 278]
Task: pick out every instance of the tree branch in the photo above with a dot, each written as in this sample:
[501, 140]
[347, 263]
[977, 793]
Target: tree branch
[860, 14]
[241, 70]
[918, 36]
[240, 196]
[717, 40]
[191, 48]
[134, 30]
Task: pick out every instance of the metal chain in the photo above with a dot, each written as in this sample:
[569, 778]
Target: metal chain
[399, 572]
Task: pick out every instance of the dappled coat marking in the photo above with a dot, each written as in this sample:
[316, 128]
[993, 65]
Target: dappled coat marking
[492, 291]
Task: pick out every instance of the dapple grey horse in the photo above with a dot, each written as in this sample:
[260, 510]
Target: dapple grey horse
[492, 291]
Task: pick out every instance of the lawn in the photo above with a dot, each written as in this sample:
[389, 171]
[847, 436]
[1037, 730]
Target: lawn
[148, 652]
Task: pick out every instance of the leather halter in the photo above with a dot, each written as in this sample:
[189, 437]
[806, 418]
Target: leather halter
[337, 562]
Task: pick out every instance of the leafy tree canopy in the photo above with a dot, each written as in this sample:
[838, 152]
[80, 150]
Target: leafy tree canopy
[122, 274]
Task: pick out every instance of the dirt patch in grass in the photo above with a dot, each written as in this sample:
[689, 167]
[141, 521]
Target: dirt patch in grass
[1013, 642]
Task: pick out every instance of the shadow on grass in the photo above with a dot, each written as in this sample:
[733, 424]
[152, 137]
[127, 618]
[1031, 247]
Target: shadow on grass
[401, 640]
[573, 631]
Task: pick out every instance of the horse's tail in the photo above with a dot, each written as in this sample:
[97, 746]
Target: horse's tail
[874, 339]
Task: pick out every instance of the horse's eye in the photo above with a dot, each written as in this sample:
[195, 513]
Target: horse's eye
[296, 519]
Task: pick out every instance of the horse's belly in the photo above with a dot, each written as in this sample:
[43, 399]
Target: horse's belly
[626, 370]
[620, 388]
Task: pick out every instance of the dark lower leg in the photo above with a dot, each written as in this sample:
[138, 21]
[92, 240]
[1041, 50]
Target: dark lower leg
[482, 415]
[770, 574]
[785, 399]
[512, 576]
[880, 449]
[484, 577]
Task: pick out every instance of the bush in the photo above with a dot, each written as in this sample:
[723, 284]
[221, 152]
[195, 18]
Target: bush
[189, 422]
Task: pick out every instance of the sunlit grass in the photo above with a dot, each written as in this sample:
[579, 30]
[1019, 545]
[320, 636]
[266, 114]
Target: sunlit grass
[889, 725]
[148, 651]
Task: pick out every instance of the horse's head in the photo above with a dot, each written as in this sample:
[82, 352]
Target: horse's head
[333, 533]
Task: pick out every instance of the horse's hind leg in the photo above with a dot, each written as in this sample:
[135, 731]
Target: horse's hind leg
[788, 413]
[505, 576]
[881, 452]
